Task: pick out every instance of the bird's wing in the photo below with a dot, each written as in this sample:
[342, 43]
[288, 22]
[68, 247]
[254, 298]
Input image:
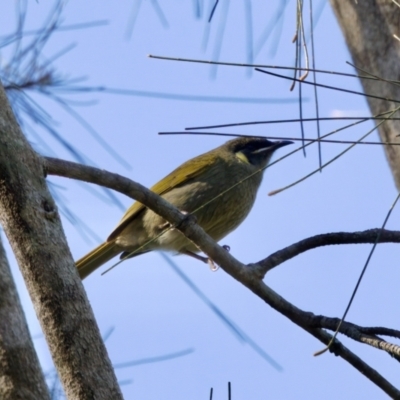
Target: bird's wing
[183, 173]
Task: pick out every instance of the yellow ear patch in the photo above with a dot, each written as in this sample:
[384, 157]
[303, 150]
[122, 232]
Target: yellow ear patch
[242, 157]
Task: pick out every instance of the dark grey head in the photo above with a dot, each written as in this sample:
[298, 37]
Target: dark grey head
[253, 150]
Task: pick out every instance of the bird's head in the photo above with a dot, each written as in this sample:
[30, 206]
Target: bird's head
[254, 151]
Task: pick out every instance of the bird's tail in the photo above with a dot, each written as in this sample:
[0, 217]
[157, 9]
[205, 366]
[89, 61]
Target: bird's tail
[97, 257]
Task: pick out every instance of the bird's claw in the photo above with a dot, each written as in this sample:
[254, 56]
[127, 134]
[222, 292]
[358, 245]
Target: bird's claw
[166, 225]
[214, 267]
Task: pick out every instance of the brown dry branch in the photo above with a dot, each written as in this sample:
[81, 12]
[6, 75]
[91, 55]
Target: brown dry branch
[249, 275]
[380, 330]
[326, 239]
[21, 376]
[358, 333]
[31, 222]
[368, 27]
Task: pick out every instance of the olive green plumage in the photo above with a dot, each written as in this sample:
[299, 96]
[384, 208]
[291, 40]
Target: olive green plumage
[200, 184]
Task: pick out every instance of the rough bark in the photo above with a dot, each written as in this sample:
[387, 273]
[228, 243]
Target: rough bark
[368, 27]
[32, 224]
[21, 376]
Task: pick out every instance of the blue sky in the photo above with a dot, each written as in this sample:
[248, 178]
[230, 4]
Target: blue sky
[152, 310]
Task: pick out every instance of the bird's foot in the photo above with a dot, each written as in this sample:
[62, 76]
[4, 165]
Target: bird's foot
[214, 267]
[163, 226]
[196, 256]
[205, 260]
[167, 225]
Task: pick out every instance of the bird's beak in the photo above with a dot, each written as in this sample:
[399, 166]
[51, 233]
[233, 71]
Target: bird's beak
[273, 147]
[280, 144]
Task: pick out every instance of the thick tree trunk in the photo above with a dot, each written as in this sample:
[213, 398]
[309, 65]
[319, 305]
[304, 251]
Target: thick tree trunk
[21, 377]
[32, 224]
[368, 26]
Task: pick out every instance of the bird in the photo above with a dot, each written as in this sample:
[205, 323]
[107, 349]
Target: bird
[218, 187]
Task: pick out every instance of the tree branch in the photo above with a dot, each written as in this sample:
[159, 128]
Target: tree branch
[249, 276]
[326, 239]
[339, 350]
[368, 27]
[379, 330]
[33, 227]
[21, 376]
[306, 321]
[358, 333]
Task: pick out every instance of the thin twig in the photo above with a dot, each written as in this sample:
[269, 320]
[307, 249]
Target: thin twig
[315, 86]
[274, 192]
[329, 87]
[284, 121]
[225, 134]
[233, 64]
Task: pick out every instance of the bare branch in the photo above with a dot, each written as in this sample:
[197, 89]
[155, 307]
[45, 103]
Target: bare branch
[379, 330]
[339, 350]
[250, 276]
[326, 239]
[306, 320]
[358, 333]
